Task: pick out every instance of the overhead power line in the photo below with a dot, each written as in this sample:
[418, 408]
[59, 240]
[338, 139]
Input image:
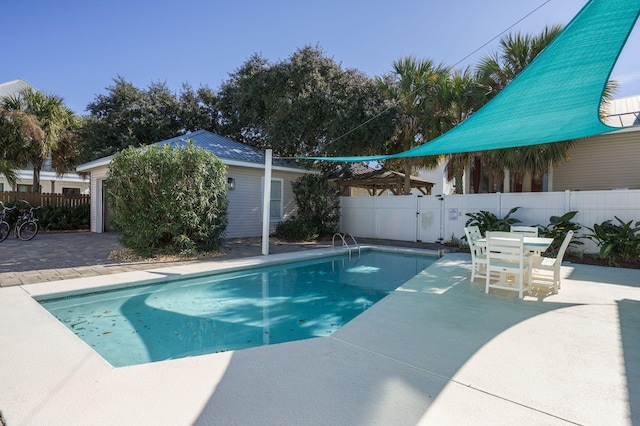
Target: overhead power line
[454, 65]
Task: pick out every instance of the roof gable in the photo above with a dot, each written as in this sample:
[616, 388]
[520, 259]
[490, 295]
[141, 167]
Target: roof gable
[229, 151]
[11, 88]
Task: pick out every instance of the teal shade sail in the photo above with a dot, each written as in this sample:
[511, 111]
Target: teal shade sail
[555, 98]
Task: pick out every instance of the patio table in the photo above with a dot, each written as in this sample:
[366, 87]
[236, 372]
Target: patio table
[531, 244]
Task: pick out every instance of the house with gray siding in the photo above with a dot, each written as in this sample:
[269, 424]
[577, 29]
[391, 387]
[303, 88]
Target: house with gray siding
[245, 177]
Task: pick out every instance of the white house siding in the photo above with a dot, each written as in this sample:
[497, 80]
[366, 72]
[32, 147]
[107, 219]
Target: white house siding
[49, 182]
[245, 201]
[601, 162]
[97, 177]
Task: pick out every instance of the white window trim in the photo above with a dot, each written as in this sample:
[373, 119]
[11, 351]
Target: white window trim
[281, 180]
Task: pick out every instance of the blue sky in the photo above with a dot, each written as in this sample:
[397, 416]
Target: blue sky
[74, 49]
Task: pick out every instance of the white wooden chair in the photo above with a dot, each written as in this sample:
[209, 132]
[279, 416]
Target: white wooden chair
[506, 257]
[529, 231]
[478, 256]
[546, 270]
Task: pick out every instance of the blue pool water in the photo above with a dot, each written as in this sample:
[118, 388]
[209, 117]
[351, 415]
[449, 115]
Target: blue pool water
[231, 311]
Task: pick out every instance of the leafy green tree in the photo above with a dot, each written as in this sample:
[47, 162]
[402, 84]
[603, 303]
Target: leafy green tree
[128, 116]
[418, 92]
[317, 202]
[168, 200]
[57, 123]
[305, 105]
[318, 210]
[198, 109]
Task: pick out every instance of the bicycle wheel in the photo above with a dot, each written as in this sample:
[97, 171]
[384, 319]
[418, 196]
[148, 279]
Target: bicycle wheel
[5, 229]
[15, 228]
[27, 230]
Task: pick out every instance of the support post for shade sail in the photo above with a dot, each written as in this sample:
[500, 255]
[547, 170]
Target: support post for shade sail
[266, 202]
[266, 328]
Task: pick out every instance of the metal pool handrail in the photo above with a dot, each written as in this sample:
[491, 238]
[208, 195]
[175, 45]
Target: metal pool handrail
[344, 242]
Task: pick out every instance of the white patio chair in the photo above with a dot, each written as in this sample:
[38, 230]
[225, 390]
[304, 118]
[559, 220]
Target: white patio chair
[506, 257]
[546, 270]
[478, 257]
[529, 231]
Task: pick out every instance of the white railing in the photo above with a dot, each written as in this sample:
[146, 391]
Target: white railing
[442, 217]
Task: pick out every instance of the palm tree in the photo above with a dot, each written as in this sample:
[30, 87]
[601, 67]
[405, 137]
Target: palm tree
[56, 122]
[17, 130]
[463, 99]
[516, 52]
[416, 89]
[494, 73]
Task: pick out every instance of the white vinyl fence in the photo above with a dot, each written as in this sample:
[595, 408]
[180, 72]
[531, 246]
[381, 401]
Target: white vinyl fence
[438, 218]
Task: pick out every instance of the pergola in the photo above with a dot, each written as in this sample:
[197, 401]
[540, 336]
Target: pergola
[376, 182]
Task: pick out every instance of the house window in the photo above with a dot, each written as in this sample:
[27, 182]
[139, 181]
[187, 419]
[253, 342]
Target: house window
[69, 191]
[276, 199]
[1, 187]
[24, 188]
[276, 205]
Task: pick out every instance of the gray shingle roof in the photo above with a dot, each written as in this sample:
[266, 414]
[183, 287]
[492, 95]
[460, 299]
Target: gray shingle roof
[225, 148]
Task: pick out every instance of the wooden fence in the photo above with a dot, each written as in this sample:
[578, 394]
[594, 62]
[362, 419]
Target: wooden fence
[45, 199]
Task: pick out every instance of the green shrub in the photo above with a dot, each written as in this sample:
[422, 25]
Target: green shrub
[296, 229]
[12, 216]
[557, 229]
[487, 221]
[318, 204]
[168, 200]
[56, 218]
[617, 241]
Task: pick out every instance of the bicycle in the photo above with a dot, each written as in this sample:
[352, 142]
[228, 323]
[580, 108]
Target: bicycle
[27, 225]
[5, 228]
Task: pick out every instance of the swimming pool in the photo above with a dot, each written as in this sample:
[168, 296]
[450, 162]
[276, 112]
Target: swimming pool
[235, 310]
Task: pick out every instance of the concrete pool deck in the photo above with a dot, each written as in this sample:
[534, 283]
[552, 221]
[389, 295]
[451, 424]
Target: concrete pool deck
[59, 256]
[436, 351]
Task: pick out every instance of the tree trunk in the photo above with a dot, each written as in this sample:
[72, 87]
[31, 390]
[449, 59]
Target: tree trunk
[406, 168]
[466, 188]
[36, 179]
[458, 178]
[477, 173]
[506, 185]
[526, 182]
[550, 178]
